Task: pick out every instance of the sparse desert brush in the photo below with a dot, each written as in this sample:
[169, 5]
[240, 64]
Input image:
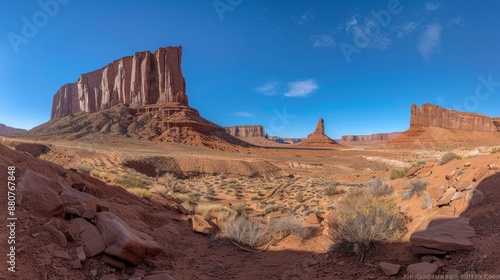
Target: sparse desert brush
[188, 206]
[377, 187]
[415, 187]
[204, 209]
[239, 208]
[211, 197]
[399, 173]
[299, 197]
[83, 168]
[419, 163]
[495, 150]
[362, 222]
[246, 232]
[355, 192]
[448, 157]
[159, 189]
[171, 183]
[427, 202]
[332, 190]
[141, 192]
[272, 208]
[131, 181]
[43, 156]
[289, 226]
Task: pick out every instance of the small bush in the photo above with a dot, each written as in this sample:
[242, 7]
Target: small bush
[83, 168]
[272, 208]
[204, 209]
[171, 183]
[399, 173]
[362, 222]
[495, 150]
[376, 187]
[355, 192]
[141, 192]
[448, 157]
[289, 225]
[426, 202]
[415, 187]
[299, 197]
[245, 232]
[131, 181]
[332, 190]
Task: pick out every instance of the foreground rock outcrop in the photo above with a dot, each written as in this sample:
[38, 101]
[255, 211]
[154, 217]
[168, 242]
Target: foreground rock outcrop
[7, 130]
[432, 126]
[142, 79]
[245, 131]
[318, 138]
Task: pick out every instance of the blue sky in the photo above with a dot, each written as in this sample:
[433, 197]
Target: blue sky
[283, 64]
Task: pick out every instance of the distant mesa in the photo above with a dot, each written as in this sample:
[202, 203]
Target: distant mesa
[245, 131]
[378, 138]
[432, 125]
[141, 96]
[7, 130]
[318, 138]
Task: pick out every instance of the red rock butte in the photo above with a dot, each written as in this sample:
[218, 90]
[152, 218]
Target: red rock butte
[142, 79]
[432, 125]
[245, 131]
[318, 138]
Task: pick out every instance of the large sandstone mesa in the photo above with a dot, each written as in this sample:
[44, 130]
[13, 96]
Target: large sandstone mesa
[142, 79]
[381, 137]
[318, 138]
[245, 131]
[432, 115]
[432, 126]
[7, 130]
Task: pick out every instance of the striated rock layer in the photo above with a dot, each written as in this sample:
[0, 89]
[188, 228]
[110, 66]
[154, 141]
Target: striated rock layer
[432, 115]
[245, 131]
[380, 137]
[142, 79]
[7, 130]
[318, 138]
[432, 126]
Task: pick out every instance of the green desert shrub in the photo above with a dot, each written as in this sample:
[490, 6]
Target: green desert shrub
[362, 222]
[415, 187]
[141, 192]
[448, 157]
[377, 187]
[131, 181]
[332, 190]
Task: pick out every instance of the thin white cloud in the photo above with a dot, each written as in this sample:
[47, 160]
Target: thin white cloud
[243, 114]
[306, 17]
[323, 41]
[406, 28]
[432, 6]
[430, 41]
[269, 89]
[358, 30]
[301, 88]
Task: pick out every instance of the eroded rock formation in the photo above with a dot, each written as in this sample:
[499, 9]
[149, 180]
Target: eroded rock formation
[7, 130]
[432, 115]
[432, 126]
[245, 131]
[142, 79]
[371, 138]
[318, 138]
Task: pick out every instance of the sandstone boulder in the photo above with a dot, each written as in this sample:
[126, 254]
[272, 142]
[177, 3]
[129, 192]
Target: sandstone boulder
[444, 234]
[423, 268]
[124, 242]
[389, 268]
[447, 196]
[480, 174]
[78, 201]
[91, 237]
[201, 225]
[41, 193]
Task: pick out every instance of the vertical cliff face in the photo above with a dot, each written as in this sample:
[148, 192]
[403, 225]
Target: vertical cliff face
[142, 79]
[435, 116]
[245, 131]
